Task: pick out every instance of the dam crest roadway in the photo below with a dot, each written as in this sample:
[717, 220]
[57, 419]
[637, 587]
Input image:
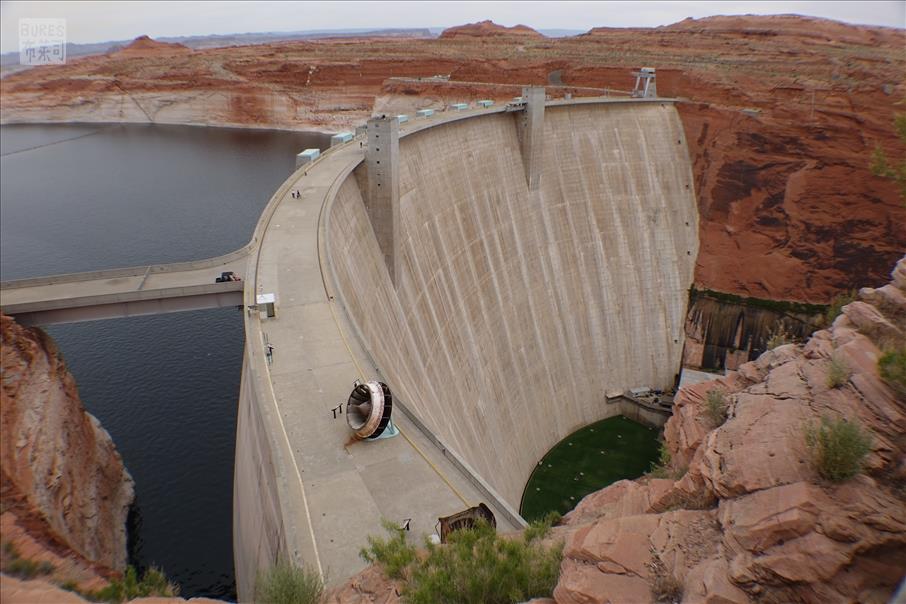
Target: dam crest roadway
[527, 261]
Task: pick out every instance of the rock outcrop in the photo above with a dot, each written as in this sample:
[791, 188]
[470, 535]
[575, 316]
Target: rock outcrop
[145, 46]
[750, 519]
[783, 114]
[16, 591]
[485, 29]
[63, 483]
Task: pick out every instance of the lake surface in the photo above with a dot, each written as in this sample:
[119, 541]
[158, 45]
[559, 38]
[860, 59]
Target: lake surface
[88, 197]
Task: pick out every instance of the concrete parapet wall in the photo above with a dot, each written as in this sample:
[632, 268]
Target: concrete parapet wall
[258, 521]
[515, 311]
[271, 519]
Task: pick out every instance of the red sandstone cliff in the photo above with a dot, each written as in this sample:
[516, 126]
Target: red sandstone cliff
[782, 116]
[751, 519]
[65, 492]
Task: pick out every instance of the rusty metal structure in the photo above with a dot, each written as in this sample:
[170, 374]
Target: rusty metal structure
[369, 408]
[464, 520]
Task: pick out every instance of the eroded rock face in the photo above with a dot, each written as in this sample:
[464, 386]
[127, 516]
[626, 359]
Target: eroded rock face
[62, 477]
[750, 518]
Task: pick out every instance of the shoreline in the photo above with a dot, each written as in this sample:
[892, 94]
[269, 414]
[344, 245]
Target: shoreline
[268, 128]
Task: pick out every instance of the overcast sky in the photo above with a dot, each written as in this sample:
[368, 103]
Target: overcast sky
[103, 21]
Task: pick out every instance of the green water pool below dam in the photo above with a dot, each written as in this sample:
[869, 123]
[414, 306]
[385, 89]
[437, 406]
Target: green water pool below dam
[586, 461]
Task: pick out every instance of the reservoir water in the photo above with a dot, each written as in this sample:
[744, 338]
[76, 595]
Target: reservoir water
[87, 197]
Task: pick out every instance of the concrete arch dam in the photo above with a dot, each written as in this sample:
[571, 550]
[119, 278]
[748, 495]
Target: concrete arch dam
[502, 269]
[515, 311]
[525, 262]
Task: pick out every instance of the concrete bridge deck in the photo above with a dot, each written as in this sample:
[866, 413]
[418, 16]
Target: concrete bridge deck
[125, 292]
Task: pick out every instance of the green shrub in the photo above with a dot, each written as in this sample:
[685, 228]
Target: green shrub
[288, 584]
[892, 367]
[475, 566]
[716, 407]
[28, 569]
[663, 468]
[539, 529]
[836, 306]
[837, 372]
[152, 583]
[394, 554]
[838, 448]
[23, 568]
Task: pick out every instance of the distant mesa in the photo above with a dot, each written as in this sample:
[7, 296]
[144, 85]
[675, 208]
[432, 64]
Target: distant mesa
[485, 29]
[775, 25]
[145, 45]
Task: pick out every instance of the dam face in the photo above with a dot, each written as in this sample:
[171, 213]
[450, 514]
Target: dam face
[515, 311]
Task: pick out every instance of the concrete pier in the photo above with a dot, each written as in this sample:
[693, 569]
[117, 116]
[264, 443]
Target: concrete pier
[383, 198]
[530, 132]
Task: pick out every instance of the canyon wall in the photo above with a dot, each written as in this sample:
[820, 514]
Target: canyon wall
[62, 477]
[724, 334]
[515, 311]
[750, 519]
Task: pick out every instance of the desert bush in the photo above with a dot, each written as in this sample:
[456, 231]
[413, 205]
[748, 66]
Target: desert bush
[699, 500]
[838, 448]
[23, 568]
[892, 367]
[836, 306]
[394, 554]
[284, 583]
[475, 566]
[664, 587]
[539, 529]
[779, 336]
[716, 407]
[663, 467]
[152, 583]
[837, 371]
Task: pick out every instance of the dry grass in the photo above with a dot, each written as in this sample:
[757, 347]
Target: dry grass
[838, 371]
